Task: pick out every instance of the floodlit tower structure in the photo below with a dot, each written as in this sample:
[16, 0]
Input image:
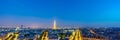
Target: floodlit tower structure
[54, 25]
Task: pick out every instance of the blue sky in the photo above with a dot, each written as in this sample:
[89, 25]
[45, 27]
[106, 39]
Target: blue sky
[14, 12]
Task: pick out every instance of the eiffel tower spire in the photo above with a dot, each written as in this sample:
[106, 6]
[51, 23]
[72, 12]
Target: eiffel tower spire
[54, 25]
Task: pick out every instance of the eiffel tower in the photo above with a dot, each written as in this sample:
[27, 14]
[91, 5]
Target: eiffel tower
[54, 25]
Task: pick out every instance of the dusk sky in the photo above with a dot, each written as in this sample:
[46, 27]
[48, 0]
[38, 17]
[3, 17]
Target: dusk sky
[38, 12]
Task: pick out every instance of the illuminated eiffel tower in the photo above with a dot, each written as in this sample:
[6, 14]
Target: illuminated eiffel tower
[76, 35]
[54, 25]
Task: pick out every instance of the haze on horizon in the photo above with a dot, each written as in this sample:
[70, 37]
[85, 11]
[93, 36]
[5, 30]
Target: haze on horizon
[66, 12]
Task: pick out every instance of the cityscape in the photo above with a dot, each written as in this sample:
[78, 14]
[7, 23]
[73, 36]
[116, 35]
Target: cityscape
[59, 19]
[21, 33]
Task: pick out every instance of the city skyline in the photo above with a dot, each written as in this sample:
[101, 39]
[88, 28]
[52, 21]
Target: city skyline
[59, 19]
[66, 12]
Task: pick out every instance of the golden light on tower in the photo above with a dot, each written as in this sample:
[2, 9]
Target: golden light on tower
[54, 25]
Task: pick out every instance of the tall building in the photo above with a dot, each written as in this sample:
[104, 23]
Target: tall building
[54, 25]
